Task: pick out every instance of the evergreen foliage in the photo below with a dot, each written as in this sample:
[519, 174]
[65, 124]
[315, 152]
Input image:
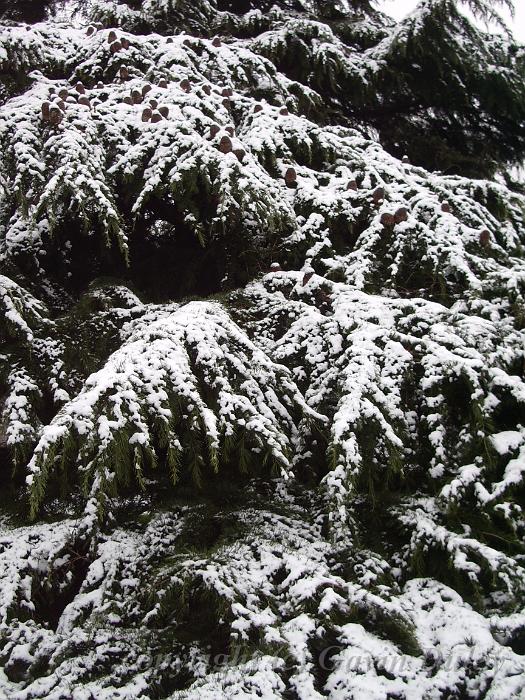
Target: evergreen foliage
[262, 351]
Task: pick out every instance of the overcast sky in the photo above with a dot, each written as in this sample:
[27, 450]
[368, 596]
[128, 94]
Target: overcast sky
[399, 8]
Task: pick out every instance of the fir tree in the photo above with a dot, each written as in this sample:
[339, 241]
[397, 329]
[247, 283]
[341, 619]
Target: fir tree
[262, 351]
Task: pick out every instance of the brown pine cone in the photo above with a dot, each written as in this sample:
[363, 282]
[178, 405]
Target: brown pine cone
[225, 145]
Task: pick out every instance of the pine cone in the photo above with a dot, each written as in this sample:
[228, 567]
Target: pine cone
[378, 194]
[55, 115]
[45, 111]
[216, 42]
[290, 178]
[214, 130]
[112, 37]
[227, 92]
[153, 104]
[185, 85]
[308, 274]
[156, 117]
[284, 112]
[257, 108]
[225, 146]
[115, 47]
[146, 89]
[445, 207]
[240, 153]
[79, 87]
[387, 220]
[401, 215]
[484, 238]
[146, 114]
[352, 185]
[164, 111]
[136, 96]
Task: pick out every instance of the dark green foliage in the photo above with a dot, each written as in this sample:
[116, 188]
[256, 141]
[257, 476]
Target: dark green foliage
[261, 378]
[449, 94]
[26, 10]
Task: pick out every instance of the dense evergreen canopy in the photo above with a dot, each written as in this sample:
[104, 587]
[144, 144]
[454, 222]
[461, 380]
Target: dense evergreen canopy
[262, 351]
